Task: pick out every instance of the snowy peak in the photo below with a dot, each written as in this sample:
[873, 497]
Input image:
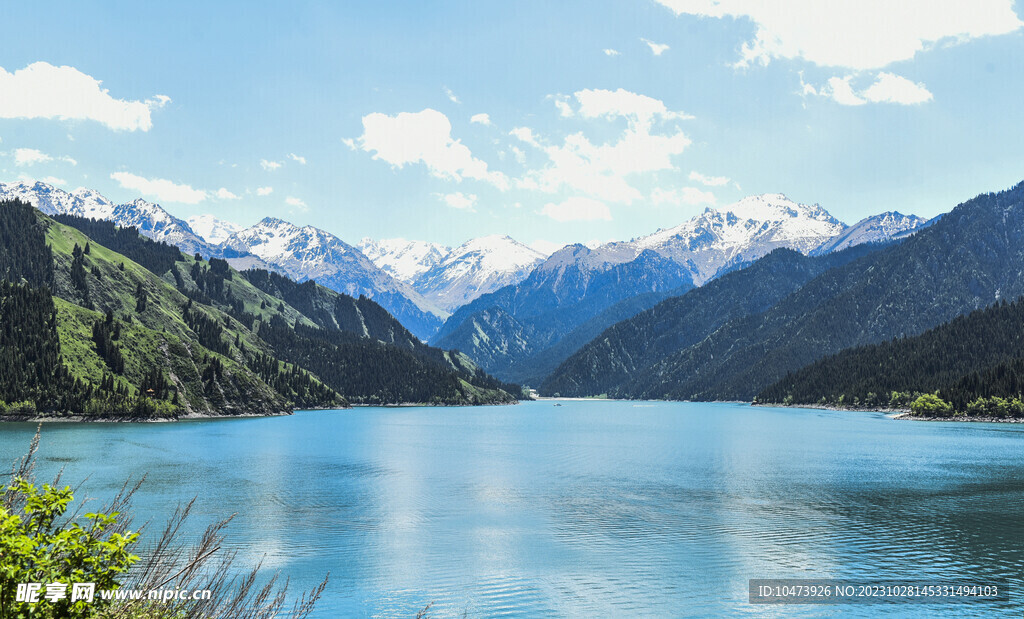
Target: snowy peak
[777, 207]
[91, 203]
[495, 253]
[403, 259]
[282, 243]
[212, 229]
[52, 201]
[475, 268]
[718, 238]
[449, 277]
[874, 229]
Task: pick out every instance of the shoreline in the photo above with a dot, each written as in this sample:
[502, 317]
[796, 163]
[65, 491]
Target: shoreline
[908, 416]
[102, 419]
[832, 407]
[204, 417]
[899, 414]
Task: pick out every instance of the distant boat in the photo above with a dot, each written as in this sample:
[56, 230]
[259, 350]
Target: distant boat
[557, 404]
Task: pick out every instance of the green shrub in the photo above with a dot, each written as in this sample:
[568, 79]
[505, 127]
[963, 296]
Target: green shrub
[37, 547]
[931, 405]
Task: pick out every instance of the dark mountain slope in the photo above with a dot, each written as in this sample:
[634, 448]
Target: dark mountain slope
[945, 359]
[608, 363]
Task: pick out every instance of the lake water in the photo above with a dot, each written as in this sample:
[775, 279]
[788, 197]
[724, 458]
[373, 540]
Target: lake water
[584, 509]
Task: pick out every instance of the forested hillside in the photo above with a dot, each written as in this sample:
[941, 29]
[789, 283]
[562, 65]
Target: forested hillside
[146, 331]
[977, 355]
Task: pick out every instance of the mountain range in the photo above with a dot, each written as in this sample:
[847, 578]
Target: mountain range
[766, 298]
[422, 283]
[523, 332]
[968, 259]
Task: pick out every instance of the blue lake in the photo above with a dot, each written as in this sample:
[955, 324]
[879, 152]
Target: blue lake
[586, 509]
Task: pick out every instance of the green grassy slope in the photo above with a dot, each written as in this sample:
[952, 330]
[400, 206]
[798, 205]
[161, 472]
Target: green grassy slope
[157, 335]
[171, 335]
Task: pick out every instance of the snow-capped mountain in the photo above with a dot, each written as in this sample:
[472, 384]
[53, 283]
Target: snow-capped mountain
[744, 231]
[53, 201]
[475, 268]
[211, 228]
[151, 219]
[523, 331]
[421, 282]
[402, 259]
[881, 227]
[305, 253]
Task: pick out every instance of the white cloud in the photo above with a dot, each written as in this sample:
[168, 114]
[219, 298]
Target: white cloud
[42, 90]
[224, 194]
[53, 180]
[656, 48]
[480, 119]
[524, 134]
[684, 195]
[270, 166]
[887, 88]
[297, 203]
[451, 95]
[595, 103]
[890, 88]
[518, 153]
[301, 160]
[600, 170]
[857, 34]
[159, 188]
[30, 156]
[264, 191]
[842, 92]
[562, 103]
[424, 137]
[459, 200]
[709, 181]
[577, 208]
[611, 52]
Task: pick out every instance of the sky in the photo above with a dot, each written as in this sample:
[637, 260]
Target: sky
[552, 122]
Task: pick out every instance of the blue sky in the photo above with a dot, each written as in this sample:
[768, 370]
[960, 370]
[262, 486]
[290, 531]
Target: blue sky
[593, 120]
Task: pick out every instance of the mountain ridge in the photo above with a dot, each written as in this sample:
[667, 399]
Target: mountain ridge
[421, 283]
[966, 260]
